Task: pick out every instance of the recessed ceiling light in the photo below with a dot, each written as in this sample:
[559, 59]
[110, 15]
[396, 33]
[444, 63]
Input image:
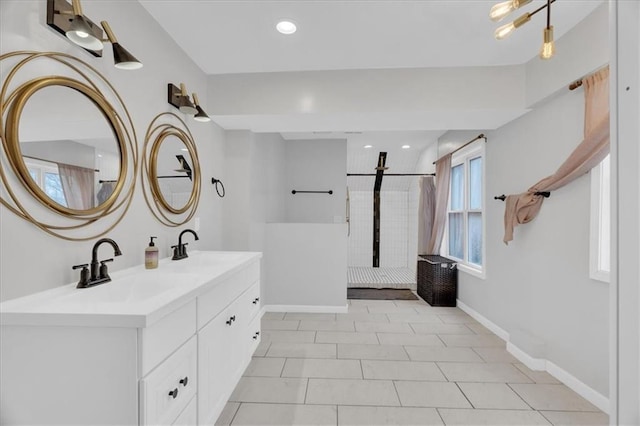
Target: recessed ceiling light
[286, 27]
[406, 146]
[368, 146]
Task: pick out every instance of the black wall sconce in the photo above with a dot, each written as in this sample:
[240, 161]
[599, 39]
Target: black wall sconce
[179, 98]
[68, 20]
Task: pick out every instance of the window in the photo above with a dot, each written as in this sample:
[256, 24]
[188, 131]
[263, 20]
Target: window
[600, 247]
[465, 228]
[47, 177]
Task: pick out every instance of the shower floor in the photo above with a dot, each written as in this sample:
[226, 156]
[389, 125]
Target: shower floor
[362, 276]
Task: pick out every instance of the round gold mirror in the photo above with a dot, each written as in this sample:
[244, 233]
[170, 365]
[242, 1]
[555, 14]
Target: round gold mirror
[172, 170]
[68, 144]
[74, 160]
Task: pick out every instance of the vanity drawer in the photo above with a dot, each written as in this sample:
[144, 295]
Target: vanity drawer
[166, 391]
[189, 417]
[162, 338]
[254, 335]
[215, 300]
[251, 299]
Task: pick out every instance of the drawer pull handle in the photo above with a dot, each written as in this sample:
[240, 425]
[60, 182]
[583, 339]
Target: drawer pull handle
[184, 381]
[256, 300]
[231, 319]
[255, 336]
[174, 393]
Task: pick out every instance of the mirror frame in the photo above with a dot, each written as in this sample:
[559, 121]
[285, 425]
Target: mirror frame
[22, 95]
[156, 135]
[20, 194]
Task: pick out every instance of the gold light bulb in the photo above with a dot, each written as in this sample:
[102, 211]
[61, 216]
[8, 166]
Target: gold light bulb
[506, 30]
[500, 10]
[548, 46]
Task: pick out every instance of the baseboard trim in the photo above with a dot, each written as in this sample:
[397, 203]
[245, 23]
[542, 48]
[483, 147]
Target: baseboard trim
[541, 364]
[307, 309]
[501, 333]
[588, 393]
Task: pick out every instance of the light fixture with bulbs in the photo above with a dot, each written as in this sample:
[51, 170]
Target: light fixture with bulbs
[179, 98]
[501, 10]
[69, 20]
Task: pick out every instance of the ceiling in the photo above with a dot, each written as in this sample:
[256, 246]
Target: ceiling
[239, 36]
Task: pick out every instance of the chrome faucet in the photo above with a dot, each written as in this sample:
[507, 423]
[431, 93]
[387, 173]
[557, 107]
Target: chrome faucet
[99, 273]
[180, 251]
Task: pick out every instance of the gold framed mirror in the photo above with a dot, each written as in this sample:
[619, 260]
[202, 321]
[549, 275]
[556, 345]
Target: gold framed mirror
[171, 177]
[69, 145]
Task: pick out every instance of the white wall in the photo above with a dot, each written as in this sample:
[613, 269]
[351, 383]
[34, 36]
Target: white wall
[306, 267]
[316, 165]
[32, 260]
[538, 287]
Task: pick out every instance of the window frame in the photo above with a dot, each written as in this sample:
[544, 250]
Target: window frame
[464, 156]
[596, 226]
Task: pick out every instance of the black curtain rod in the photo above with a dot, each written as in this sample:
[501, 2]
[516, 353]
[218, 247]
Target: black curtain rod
[480, 136]
[295, 191]
[106, 181]
[392, 174]
[503, 197]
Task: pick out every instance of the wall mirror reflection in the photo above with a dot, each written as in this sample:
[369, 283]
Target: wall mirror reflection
[174, 172]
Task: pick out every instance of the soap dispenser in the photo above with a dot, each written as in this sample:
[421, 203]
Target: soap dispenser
[151, 255]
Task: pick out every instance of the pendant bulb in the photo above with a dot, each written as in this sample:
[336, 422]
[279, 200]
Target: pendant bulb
[548, 46]
[501, 10]
[506, 30]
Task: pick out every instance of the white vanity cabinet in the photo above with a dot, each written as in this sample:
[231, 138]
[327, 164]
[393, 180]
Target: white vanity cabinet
[131, 355]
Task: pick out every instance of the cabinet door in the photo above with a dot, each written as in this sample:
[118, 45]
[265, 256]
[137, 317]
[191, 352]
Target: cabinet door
[217, 359]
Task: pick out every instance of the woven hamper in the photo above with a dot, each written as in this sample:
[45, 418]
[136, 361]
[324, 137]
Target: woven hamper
[437, 280]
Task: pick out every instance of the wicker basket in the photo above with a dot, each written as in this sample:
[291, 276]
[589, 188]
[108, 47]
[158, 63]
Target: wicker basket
[437, 280]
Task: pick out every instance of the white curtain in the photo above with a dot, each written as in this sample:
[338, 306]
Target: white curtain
[443, 174]
[77, 185]
[426, 212]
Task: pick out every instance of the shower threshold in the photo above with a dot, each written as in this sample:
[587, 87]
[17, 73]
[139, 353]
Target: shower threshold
[362, 276]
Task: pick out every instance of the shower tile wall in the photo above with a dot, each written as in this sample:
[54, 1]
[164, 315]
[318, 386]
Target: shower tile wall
[394, 227]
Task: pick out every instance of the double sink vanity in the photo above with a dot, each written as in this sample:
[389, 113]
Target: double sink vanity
[163, 346]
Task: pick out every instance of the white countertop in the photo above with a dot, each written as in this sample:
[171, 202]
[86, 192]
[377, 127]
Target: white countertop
[135, 297]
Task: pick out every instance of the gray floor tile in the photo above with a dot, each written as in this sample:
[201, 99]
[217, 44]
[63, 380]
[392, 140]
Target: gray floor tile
[572, 418]
[285, 414]
[270, 389]
[392, 309]
[424, 328]
[273, 316]
[327, 325]
[383, 352]
[479, 328]
[495, 355]
[363, 317]
[492, 395]
[409, 339]
[265, 367]
[415, 318]
[352, 392]
[476, 341]
[492, 417]
[457, 319]
[537, 376]
[431, 394]
[428, 353]
[262, 348]
[487, 372]
[368, 416]
[323, 368]
[227, 414]
[401, 370]
[346, 337]
[279, 325]
[358, 309]
[310, 316]
[289, 336]
[552, 397]
[383, 327]
[301, 350]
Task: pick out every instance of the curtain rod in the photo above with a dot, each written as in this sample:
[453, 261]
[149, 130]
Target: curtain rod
[578, 82]
[480, 136]
[392, 174]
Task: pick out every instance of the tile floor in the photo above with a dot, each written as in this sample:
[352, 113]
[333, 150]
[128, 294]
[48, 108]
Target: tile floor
[394, 363]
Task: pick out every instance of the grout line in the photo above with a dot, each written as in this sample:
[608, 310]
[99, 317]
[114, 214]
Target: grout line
[516, 392]
[283, 365]
[235, 413]
[361, 368]
[306, 391]
[465, 395]
[397, 393]
[445, 343]
[441, 372]
[440, 415]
